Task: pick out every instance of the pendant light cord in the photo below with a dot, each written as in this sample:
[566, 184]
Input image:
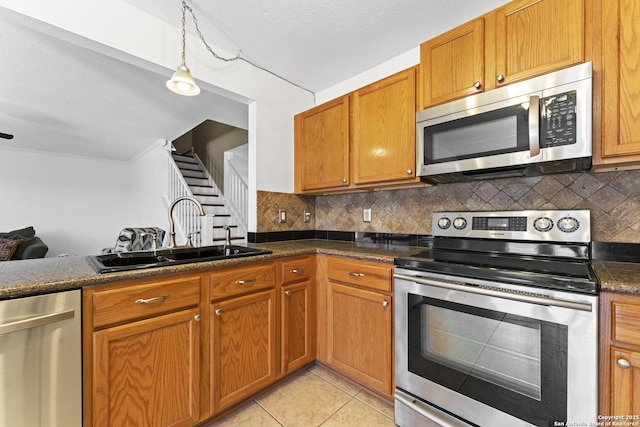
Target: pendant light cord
[186, 7]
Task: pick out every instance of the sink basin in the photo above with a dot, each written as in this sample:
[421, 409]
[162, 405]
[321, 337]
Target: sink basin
[124, 261]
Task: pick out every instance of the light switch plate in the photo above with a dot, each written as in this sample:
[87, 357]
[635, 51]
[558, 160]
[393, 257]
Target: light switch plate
[282, 216]
[366, 215]
[307, 216]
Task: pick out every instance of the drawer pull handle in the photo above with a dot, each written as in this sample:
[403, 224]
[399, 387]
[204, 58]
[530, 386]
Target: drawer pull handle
[295, 270]
[287, 292]
[244, 282]
[149, 300]
[623, 363]
[385, 303]
[351, 273]
[218, 312]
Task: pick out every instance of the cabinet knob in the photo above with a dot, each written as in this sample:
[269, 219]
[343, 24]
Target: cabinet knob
[477, 85]
[197, 317]
[218, 312]
[385, 303]
[344, 180]
[623, 363]
[409, 171]
[500, 78]
[287, 292]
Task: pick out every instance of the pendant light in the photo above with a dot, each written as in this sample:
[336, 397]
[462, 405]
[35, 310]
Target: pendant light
[182, 82]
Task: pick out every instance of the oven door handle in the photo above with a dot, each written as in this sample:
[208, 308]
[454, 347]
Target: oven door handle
[431, 414]
[583, 306]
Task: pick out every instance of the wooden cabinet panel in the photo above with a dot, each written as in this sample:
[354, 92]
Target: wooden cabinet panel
[297, 326]
[383, 141]
[362, 273]
[452, 64]
[625, 322]
[243, 347]
[139, 369]
[625, 383]
[141, 299]
[241, 280]
[322, 146]
[620, 142]
[296, 269]
[534, 37]
[359, 335]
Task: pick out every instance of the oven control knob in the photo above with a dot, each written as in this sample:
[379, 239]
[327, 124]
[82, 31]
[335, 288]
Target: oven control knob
[543, 224]
[568, 224]
[444, 223]
[459, 223]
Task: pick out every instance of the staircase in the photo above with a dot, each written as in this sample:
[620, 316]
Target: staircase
[204, 189]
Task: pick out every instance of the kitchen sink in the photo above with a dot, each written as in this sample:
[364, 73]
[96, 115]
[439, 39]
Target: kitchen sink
[125, 261]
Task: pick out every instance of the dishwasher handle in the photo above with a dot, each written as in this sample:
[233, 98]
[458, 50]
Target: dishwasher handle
[33, 322]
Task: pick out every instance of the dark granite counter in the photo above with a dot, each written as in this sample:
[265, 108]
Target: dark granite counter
[28, 277]
[618, 276]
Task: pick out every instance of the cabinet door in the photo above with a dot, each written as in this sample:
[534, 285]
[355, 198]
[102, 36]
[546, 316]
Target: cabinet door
[452, 64]
[359, 335]
[383, 143]
[298, 326]
[139, 369]
[243, 349]
[534, 37]
[625, 383]
[322, 146]
[620, 79]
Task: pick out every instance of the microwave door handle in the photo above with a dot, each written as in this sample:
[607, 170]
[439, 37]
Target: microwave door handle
[534, 125]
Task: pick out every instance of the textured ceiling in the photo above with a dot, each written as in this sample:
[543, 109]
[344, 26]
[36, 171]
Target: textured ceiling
[317, 44]
[66, 94]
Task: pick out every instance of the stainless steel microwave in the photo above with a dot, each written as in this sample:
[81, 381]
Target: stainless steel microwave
[533, 127]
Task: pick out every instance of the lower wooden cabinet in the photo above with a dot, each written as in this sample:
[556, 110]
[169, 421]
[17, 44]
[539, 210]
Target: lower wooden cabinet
[297, 326]
[620, 356]
[142, 346]
[243, 347]
[359, 335]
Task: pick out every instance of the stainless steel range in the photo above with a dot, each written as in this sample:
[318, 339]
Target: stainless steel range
[497, 324]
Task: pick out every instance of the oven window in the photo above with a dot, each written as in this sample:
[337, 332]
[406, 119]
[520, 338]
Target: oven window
[512, 363]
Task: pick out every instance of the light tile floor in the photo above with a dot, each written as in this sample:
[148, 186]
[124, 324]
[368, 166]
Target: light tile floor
[315, 397]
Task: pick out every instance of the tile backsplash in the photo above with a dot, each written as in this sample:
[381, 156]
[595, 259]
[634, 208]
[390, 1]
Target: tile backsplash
[612, 197]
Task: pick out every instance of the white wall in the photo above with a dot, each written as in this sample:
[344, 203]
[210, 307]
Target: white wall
[119, 25]
[77, 205]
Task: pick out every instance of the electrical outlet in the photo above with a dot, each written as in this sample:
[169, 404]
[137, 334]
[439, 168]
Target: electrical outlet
[282, 216]
[366, 215]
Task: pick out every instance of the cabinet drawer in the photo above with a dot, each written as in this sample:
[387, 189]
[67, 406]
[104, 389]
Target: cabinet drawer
[144, 299]
[296, 269]
[625, 320]
[236, 281]
[363, 273]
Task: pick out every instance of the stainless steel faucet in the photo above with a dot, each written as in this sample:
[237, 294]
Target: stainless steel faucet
[227, 240]
[172, 224]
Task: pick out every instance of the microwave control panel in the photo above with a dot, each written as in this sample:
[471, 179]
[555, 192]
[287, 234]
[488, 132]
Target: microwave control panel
[558, 120]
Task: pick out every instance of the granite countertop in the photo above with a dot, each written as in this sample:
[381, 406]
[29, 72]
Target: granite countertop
[618, 276]
[29, 277]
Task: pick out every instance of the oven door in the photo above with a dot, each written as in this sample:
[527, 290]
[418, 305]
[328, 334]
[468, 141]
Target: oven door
[492, 354]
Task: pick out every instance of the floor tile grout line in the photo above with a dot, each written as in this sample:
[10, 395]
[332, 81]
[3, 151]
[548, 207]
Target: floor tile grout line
[352, 395]
[270, 414]
[337, 410]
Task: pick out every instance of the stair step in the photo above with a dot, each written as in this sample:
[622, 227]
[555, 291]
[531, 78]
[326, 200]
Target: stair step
[200, 182]
[192, 173]
[183, 158]
[222, 239]
[223, 226]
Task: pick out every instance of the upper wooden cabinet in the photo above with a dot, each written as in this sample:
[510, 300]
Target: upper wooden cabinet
[363, 140]
[619, 66]
[523, 39]
[534, 37]
[322, 146]
[383, 140]
[452, 64]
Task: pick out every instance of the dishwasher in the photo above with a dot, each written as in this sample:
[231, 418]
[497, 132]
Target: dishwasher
[41, 361]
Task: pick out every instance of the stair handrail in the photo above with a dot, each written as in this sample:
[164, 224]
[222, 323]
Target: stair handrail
[186, 216]
[242, 223]
[236, 190]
